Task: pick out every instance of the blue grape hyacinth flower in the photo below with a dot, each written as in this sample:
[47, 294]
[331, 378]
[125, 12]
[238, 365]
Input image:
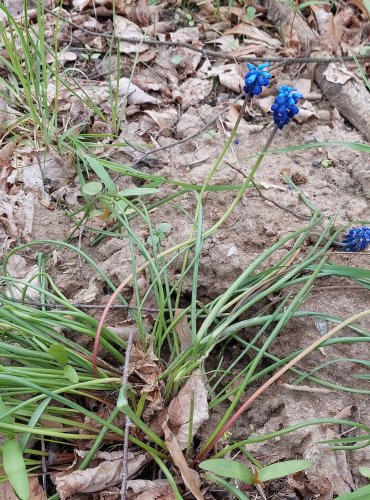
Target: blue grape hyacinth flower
[256, 78]
[285, 105]
[356, 239]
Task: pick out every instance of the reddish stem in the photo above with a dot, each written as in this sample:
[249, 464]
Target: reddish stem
[101, 324]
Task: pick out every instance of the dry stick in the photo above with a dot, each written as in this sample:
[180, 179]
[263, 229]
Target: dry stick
[127, 420]
[80, 305]
[275, 377]
[298, 216]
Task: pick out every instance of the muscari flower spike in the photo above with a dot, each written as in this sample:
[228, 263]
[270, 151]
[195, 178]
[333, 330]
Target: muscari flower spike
[284, 106]
[357, 239]
[256, 78]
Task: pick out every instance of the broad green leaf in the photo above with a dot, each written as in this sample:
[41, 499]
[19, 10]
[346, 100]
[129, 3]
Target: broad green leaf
[163, 228]
[59, 353]
[152, 240]
[137, 191]
[360, 494]
[282, 469]
[92, 188]
[364, 471]
[71, 374]
[228, 468]
[15, 468]
[176, 60]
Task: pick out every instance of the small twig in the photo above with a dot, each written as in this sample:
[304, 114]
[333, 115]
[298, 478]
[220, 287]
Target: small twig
[298, 216]
[306, 388]
[127, 421]
[85, 306]
[43, 465]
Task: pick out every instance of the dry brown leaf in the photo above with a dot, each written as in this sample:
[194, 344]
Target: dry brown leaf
[161, 27]
[193, 91]
[338, 73]
[107, 473]
[227, 11]
[229, 76]
[6, 153]
[164, 120]
[265, 103]
[306, 111]
[326, 28]
[134, 93]
[142, 12]
[183, 330]
[180, 407]
[227, 43]
[36, 491]
[16, 215]
[143, 489]
[190, 476]
[254, 34]
[127, 29]
[147, 79]
[145, 366]
[80, 5]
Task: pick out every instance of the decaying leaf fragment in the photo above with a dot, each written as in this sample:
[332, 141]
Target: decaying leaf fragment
[107, 473]
[143, 489]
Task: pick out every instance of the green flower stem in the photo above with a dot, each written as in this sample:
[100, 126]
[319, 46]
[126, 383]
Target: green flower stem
[203, 189]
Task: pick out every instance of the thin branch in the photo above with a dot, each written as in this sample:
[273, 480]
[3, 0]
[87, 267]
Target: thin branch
[127, 421]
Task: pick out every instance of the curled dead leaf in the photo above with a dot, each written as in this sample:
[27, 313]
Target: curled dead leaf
[143, 489]
[107, 473]
[229, 76]
[180, 407]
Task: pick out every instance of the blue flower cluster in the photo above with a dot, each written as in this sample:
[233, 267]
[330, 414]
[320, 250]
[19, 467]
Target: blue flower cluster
[285, 103]
[357, 239]
[256, 78]
[284, 106]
